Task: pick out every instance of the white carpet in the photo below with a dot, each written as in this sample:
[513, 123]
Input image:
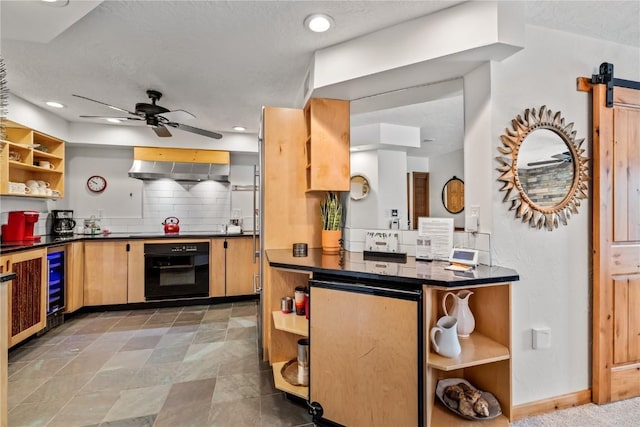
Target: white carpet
[625, 413]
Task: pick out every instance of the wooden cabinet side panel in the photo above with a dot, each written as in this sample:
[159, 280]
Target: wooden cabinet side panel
[135, 271]
[364, 355]
[330, 143]
[239, 266]
[74, 277]
[217, 269]
[4, 339]
[105, 275]
[290, 215]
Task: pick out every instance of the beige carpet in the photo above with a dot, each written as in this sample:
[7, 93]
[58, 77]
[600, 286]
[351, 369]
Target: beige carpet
[625, 413]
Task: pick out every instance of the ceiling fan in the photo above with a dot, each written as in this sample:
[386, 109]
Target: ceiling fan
[156, 116]
[556, 158]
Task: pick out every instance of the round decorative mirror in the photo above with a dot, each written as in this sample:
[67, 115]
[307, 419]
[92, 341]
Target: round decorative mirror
[359, 187]
[543, 171]
[453, 195]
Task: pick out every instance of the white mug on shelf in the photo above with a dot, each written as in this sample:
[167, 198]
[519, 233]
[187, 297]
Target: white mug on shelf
[43, 184]
[31, 183]
[19, 188]
[45, 164]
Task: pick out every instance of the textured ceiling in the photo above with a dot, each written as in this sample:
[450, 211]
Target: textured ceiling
[223, 60]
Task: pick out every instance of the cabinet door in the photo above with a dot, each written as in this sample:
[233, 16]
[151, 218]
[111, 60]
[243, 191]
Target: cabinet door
[106, 271]
[364, 363]
[75, 277]
[135, 276]
[27, 295]
[240, 267]
[217, 268]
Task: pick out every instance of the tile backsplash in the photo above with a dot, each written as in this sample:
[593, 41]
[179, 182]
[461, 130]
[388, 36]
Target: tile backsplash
[354, 241]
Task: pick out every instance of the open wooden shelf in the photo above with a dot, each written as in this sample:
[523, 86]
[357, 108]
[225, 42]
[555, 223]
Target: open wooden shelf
[476, 350]
[443, 417]
[291, 322]
[282, 384]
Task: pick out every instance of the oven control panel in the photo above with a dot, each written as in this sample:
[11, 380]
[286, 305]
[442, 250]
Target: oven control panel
[185, 248]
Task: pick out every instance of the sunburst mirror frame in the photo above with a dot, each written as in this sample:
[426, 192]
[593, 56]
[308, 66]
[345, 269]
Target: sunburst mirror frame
[538, 216]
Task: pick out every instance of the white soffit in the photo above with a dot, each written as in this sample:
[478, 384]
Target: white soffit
[430, 51]
[36, 21]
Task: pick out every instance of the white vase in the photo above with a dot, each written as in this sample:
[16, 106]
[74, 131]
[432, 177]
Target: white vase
[461, 311]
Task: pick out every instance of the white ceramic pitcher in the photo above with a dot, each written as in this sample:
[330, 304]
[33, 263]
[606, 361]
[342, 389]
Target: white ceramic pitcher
[444, 338]
[461, 311]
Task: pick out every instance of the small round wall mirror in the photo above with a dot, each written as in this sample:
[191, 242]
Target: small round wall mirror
[543, 171]
[359, 187]
[453, 195]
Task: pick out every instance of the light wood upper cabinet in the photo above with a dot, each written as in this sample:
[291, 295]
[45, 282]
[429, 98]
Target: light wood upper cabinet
[327, 145]
[27, 293]
[22, 158]
[106, 272]
[240, 268]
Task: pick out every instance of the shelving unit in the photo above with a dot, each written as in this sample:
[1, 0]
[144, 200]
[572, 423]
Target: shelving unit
[291, 322]
[20, 160]
[485, 360]
[282, 384]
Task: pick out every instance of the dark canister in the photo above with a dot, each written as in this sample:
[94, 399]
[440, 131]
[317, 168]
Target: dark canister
[299, 249]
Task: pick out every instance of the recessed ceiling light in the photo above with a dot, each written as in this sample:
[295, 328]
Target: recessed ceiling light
[54, 104]
[318, 22]
[56, 3]
[239, 128]
[113, 120]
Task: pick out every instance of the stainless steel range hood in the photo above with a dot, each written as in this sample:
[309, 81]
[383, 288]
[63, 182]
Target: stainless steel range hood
[180, 164]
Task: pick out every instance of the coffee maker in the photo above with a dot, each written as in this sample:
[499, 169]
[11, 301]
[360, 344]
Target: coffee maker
[20, 227]
[62, 223]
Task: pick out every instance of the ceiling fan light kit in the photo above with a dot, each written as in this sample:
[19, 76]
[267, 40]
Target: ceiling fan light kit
[155, 116]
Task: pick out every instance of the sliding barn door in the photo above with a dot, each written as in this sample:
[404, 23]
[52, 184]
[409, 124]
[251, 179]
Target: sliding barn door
[616, 244]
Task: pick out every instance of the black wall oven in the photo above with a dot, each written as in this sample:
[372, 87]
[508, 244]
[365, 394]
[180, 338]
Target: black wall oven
[176, 270]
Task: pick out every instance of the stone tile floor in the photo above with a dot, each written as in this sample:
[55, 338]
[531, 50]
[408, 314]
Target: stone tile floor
[179, 366]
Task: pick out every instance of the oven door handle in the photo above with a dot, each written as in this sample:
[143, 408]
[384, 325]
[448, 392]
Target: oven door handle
[172, 267]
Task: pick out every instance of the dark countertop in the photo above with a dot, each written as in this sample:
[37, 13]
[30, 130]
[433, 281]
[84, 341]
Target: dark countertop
[5, 277]
[48, 240]
[352, 266]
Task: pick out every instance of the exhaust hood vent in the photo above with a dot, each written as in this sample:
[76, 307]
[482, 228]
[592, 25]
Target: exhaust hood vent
[150, 164]
[189, 172]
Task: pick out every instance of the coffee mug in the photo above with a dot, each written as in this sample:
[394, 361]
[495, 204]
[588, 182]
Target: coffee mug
[31, 183]
[19, 188]
[45, 164]
[43, 184]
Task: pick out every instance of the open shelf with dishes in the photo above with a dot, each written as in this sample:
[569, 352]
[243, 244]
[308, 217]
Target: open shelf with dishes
[32, 163]
[485, 358]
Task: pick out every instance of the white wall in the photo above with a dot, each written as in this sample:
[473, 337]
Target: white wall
[554, 267]
[442, 169]
[364, 213]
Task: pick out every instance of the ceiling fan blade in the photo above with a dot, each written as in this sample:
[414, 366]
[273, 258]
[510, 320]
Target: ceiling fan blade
[161, 131]
[207, 133]
[177, 116]
[109, 117]
[108, 105]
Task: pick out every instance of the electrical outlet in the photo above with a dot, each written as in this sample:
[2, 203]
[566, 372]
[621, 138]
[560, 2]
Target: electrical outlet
[541, 338]
[394, 212]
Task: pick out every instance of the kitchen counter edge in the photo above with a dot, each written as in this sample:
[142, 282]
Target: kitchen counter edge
[352, 266]
[47, 241]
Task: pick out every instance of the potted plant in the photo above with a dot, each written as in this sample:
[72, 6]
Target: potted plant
[331, 211]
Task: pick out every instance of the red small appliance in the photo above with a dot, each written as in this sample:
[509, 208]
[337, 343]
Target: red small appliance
[19, 227]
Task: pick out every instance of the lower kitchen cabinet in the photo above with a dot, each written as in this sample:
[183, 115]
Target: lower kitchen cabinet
[27, 293]
[106, 272]
[240, 268]
[365, 354]
[74, 295]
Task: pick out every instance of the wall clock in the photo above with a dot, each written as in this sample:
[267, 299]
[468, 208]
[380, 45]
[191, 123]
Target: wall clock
[96, 183]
